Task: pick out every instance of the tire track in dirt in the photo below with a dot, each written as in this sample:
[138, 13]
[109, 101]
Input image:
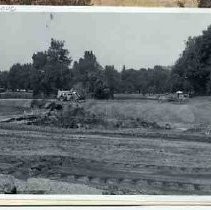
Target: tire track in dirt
[105, 148]
[129, 164]
[76, 172]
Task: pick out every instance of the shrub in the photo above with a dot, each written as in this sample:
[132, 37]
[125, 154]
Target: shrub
[102, 93]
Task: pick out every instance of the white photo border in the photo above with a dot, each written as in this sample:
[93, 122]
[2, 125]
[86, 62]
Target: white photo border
[102, 200]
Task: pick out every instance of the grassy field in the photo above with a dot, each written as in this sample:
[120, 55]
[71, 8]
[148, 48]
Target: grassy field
[12, 107]
[194, 112]
[121, 161]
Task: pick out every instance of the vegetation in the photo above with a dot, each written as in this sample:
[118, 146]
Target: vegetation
[52, 70]
[192, 70]
[204, 3]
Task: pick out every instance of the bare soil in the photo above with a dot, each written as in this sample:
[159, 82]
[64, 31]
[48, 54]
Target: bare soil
[113, 162]
[121, 161]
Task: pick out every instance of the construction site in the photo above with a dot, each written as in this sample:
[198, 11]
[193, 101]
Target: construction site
[124, 110]
[105, 147]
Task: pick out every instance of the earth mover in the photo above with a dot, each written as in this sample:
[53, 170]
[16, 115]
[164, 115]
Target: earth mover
[178, 97]
[69, 95]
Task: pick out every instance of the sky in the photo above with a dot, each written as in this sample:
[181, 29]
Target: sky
[136, 40]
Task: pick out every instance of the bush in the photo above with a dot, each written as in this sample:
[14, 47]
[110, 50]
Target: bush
[75, 116]
[102, 93]
[204, 3]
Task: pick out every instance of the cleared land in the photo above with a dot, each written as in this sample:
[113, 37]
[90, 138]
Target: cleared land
[123, 161]
[194, 113]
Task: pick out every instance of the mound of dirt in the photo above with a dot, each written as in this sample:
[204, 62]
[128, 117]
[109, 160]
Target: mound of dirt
[47, 186]
[7, 184]
[11, 185]
[76, 116]
[111, 114]
[39, 104]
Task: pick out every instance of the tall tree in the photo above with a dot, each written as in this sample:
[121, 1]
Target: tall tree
[51, 69]
[88, 72]
[19, 76]
[112, 79]
[4, 79]
[194, 64]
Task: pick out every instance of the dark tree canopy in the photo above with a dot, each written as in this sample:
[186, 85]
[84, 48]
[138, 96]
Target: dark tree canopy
[19, 77]
[4, 79]
[204, 3]
[88, 72]
[194, 65]
[51, 70]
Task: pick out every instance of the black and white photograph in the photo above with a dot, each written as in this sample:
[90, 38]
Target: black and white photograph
[105, 103]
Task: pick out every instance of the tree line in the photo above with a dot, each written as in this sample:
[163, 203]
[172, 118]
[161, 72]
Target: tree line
[54, 69]
[192, 71]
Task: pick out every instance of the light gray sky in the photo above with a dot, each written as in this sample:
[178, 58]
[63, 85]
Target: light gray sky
[136, 40]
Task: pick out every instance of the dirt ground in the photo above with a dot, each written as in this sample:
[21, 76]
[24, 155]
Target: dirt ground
[165, 3]
[121, 161]
[114, 162]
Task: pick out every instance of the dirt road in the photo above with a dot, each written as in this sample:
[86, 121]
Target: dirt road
[116, 162]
